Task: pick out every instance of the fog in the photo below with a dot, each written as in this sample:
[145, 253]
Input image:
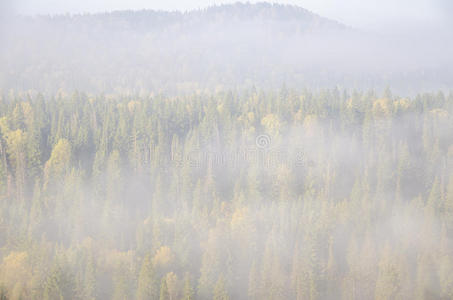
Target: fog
[225, 46]
[240, 151]
[245, 194]
[371, 14]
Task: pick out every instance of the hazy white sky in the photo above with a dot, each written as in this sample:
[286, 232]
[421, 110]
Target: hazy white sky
[367, 14]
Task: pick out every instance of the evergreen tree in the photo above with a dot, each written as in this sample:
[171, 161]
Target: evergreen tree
[188, 293]
[220, 292]
[147, 282]
[164, 295]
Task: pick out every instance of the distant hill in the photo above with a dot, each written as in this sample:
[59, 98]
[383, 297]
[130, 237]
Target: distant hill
[284, 18]
[219, 47]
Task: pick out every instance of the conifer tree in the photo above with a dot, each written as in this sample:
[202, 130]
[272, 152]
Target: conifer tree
[147, 282]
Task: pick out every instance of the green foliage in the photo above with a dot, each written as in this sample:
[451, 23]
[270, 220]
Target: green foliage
[220, 292]
[173, 198]
[188, 292]
[147, 281]
[164, 290]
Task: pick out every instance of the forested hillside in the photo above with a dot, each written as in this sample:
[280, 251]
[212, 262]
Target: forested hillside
[221, 47]
[256, 194]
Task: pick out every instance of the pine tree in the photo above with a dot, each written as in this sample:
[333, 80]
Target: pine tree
[164, 295]
[89, 290]
[147, 282]
[188, 292]
[253, 284]
[122, 289]
[388, 285]
[220, 292]
[448, 205]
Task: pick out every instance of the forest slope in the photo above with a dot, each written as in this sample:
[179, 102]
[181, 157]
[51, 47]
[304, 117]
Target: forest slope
[246, 195]
[223, 46]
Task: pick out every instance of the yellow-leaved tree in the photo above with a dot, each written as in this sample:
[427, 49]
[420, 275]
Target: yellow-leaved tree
[59, 161]
[15, 275]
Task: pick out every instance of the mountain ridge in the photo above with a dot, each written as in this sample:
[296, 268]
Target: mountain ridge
[231, 46]
[236, 12]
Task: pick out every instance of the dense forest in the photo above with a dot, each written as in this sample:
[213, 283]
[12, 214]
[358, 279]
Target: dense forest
[241, 194]
[240, 151]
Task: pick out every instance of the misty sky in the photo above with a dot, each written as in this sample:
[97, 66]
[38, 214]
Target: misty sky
[365, 14]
